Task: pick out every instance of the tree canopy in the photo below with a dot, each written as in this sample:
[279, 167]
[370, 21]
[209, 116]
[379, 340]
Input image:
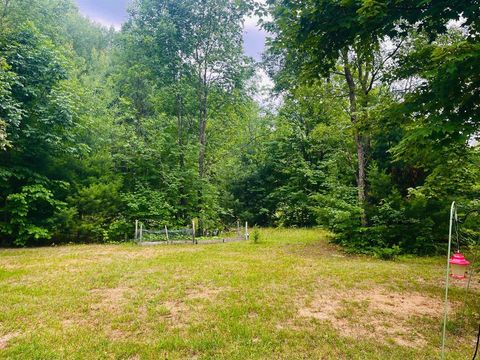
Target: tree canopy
[375, 132]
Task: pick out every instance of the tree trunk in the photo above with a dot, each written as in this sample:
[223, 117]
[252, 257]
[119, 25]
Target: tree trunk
[361, 182]
[359, 141]
[180, 125]
[180, 129]
[202, 122]
[202, 141]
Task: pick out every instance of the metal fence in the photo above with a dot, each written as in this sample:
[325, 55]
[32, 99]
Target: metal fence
[189, 235]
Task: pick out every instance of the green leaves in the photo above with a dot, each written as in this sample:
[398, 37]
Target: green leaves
[10, 109]
[38, 112]
[157, 122]
[372, 10]
[30, 215]
[413, 91]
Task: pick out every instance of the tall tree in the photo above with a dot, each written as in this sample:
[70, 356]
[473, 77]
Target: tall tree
[200, 42]
[192, 54]
[303, 28]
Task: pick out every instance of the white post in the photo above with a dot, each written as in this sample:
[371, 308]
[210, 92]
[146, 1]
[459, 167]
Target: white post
[136, 230]
[166, 232]
[141, 231]
[453, 211]
[193, 230]
[246, 231]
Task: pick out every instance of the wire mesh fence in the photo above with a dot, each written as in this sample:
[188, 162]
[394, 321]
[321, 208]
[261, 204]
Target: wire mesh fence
[189, 235]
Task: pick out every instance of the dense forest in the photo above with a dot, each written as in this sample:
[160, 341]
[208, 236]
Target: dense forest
[373, 133]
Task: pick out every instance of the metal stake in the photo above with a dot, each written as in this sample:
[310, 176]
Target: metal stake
[453, 212]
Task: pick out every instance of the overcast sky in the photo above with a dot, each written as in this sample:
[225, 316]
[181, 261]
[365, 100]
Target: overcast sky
[114, 13]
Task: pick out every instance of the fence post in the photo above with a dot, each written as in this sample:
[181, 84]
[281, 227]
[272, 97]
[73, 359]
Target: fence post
[141, 231]
[136, 230]
[193, 231]
[246, 231]
[166, 233]
[239, 235]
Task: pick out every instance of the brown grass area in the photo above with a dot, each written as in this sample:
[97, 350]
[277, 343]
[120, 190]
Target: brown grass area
[4, 340]
[203, 293]
[111, 299]
[180, 310]
[177, 311]
[377, 313]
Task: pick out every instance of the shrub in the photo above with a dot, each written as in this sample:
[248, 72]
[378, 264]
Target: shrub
[388, 253]
[256, 236]
[32, 215]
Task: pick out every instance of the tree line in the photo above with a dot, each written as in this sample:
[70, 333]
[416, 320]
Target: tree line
[374, 135]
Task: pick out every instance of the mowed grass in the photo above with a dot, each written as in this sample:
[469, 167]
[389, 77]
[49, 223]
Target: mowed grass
[292, 296]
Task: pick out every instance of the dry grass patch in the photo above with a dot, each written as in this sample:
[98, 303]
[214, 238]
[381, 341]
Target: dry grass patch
[474, 285]
[4, 339]
[203, 293]
[111, 299]
[378, 314]
[176, 311]
[190, 307]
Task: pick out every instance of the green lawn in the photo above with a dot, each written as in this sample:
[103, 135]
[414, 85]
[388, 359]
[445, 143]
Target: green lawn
[293, 296]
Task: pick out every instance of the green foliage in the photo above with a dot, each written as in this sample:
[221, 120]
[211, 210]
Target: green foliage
[39, 113]
[148, 204]
[33, 215]
[388, 253]
[321, 30]
[98, 206]
[10, 111]
[109, 123]
[255, 236]
[413, 110]
[157, 122]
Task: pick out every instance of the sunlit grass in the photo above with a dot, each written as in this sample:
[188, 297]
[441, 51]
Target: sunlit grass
[229, 301]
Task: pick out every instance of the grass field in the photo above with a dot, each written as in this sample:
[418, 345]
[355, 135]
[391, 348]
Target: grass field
[292, 296]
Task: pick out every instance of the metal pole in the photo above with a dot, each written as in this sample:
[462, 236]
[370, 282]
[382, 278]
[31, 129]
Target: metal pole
[166, 233]
[246, 230]
[136, 230]
[141, 231]
[453, 211]
[193, 230]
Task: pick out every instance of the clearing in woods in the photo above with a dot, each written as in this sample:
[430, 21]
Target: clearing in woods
[292, 296]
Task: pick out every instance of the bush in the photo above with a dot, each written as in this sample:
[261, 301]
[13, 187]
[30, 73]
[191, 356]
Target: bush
[99, 219]
[32, 216]
[388, 253]
[415, 225]
[256, 236]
